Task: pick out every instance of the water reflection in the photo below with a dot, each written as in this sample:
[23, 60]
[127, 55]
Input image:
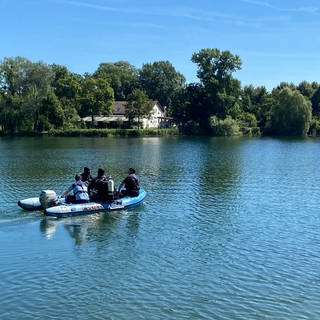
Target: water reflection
[48, 228]
[99, 228]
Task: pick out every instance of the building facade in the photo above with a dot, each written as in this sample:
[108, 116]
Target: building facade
[156, 119]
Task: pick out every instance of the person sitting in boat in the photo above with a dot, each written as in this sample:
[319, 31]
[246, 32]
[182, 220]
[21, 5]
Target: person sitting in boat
[77, 192]
[98, 188]
[131, 184]
[86, 175]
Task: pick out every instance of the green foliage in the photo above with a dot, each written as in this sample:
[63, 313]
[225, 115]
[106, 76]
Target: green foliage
[36, 97]
[138, 105]
[291, 115]
[307, 89]
[224, 127]
[121, 76]
[314, 129]
[250, 131]
[315, 100]
[257, 101]
[114, 132]
[247, 119]
[160, 81]
[25, 86]
[215, 70]
[96, 97]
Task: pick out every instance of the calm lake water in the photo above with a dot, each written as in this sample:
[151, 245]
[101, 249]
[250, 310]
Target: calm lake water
[230, 229]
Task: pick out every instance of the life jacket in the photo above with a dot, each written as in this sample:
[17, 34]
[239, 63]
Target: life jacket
[80, 191]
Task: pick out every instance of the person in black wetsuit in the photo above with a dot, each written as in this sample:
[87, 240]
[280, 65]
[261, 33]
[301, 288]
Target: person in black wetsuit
[98, 189]
[131, 184]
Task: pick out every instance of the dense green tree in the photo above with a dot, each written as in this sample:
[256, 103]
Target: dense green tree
[96, 97]
[67, 87]
[225, 127]
[161, 81]
[282, 85]
[215, 66]
[315, 100]
[122, 77]
[307, 89]
[291, 114]
[25, 85]
[65, 83]
[190, 109]
[215, 70]
[12, 83]
[138, 105]
[39, 86]
[257, 101]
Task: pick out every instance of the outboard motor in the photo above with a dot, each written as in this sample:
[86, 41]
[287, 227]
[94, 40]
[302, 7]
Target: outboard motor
[48, 198]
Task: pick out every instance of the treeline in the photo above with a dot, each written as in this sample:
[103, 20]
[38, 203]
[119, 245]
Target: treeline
[37, 97]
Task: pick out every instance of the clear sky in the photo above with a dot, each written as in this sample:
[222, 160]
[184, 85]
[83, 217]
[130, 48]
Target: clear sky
[277, 40]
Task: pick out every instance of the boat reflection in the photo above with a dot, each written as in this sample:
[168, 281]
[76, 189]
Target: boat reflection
[97, 228]
[48, 228]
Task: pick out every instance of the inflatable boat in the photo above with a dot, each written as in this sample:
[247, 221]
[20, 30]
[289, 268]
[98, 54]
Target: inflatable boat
[54, 207]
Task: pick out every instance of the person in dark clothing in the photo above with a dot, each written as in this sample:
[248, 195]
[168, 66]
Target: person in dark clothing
[98, 187]
[131, 184]
[77, 192]
[86, 175]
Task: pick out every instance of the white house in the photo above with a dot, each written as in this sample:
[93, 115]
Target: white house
[156, 119]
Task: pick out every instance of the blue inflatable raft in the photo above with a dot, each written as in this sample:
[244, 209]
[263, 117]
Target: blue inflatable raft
[62, 209]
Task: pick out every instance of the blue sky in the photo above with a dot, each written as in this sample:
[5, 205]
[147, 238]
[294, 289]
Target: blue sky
[276, 40]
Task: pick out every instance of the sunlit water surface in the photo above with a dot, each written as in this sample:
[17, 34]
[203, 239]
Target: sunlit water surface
[230, 229]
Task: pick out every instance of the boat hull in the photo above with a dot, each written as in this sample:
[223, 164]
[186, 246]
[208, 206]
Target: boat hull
[32, 204]
[68, 210]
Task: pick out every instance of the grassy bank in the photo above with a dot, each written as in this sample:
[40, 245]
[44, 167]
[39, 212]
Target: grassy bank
[114, 132]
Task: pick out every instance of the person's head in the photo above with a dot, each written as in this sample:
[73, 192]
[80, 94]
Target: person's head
[86, 170]
[100, 172]
[131, 170]
[77, 177]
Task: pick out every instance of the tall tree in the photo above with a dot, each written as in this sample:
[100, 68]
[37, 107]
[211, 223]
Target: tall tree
[96, 97]
[138, 105]
[160, 81]
[25, 85]
[215, 70]
[121, 75]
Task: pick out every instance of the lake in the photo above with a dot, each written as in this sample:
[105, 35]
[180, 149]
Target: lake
[230, 229]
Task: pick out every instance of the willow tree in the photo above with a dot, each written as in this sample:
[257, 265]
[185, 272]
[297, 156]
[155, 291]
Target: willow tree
[291, 114]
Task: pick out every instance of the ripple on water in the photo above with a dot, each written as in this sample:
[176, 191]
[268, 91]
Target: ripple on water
[224, 233]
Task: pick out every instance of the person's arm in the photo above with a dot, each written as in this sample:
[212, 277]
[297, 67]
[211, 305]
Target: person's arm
[66, 192]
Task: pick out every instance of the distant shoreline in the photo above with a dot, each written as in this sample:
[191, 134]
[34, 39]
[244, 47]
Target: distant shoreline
[98, 133]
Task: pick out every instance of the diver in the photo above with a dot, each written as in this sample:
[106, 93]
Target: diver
[131, 184]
